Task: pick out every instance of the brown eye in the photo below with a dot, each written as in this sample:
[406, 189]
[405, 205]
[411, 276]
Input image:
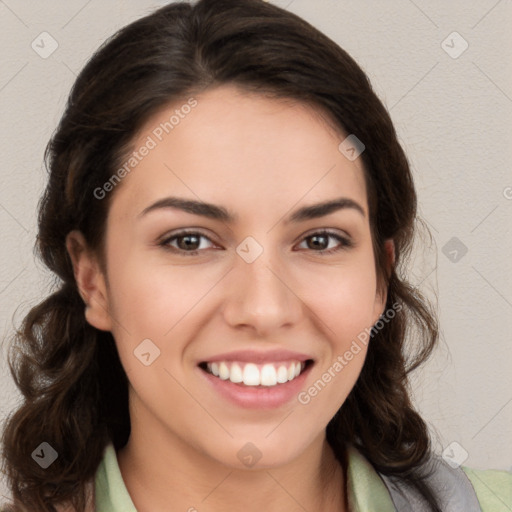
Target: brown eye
[187, 242]
[319, 242]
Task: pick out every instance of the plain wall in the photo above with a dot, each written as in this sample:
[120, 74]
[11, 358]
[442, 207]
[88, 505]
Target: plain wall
[453, 115]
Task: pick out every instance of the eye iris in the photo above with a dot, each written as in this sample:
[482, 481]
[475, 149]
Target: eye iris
[314, 240]
[188, 245]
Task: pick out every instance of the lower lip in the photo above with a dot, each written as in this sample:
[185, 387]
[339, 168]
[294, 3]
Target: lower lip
[253, 397]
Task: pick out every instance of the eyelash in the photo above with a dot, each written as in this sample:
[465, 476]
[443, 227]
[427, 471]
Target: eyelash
[345, 242]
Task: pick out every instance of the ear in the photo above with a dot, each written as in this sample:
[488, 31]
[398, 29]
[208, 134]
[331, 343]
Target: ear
[389, 245]
[381, 295]
[90, 281]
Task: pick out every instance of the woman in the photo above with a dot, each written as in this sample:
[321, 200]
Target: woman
[229, 212]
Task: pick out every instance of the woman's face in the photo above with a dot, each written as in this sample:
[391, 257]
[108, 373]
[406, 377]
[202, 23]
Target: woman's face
[254, 292]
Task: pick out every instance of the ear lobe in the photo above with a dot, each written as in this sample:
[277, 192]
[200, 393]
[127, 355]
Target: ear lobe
[90, 281]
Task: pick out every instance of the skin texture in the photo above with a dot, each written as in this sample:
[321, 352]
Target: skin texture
[261, 159]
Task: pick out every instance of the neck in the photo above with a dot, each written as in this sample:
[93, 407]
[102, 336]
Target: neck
[160, 469]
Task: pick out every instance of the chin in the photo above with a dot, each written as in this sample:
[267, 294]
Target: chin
[260, 452]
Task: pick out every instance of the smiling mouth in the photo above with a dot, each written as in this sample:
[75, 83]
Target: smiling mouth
[256, 375]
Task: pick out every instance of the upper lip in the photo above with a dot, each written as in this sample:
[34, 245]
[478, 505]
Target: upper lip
[257, 356]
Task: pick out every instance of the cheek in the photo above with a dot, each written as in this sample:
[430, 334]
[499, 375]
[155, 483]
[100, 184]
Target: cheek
[344, 298]
[160, 303]
[150, 299]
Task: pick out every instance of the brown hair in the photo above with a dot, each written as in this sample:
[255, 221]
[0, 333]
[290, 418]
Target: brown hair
[74, 387]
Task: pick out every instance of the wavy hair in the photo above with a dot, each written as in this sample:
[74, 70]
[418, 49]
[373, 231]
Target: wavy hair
[75, 390]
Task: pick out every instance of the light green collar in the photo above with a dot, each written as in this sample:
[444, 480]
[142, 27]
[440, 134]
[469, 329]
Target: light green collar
[366, 490]
[111, 494]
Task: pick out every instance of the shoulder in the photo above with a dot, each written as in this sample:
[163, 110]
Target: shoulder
[492, 487]
[457, 488]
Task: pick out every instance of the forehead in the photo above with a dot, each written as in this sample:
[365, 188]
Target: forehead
[227, 144]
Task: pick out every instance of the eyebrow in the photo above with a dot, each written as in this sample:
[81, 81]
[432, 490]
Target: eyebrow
[216, 212]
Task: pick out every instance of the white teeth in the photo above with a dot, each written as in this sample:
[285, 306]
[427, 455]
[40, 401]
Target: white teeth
[236, 374]
[268, 375]
[282, 374]
[223, 371]
[251, 374]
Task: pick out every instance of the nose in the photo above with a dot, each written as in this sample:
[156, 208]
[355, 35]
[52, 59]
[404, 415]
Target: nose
[262, 296]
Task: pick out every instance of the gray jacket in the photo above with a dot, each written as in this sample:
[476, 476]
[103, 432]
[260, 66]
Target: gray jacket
[452, 487]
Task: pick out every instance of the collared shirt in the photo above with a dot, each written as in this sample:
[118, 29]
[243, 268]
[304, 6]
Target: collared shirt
[366, 490]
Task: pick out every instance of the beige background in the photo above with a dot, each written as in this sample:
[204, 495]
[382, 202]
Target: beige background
[453, 116]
